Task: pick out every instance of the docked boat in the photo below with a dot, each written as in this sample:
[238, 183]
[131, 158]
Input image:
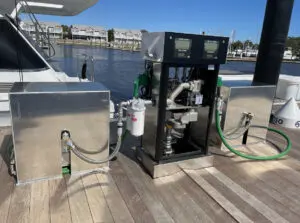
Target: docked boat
[21, 58]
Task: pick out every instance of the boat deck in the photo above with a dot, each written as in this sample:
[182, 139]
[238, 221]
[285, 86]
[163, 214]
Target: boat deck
[234, 190]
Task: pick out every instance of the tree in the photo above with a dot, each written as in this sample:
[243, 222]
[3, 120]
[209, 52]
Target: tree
[70, 36]
[255, 46]
[236, 45]
[67, 31]
[294, 44]
[110, 35]
[143, 31]
[248, 44]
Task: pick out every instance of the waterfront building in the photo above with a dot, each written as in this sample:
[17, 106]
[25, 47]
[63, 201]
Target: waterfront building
[53, 29]
[92, 33]
[127, 37]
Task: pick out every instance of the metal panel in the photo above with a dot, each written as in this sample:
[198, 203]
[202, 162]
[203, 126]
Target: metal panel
[149, 138]
[151, 115]
[257, 100]
[40, 111]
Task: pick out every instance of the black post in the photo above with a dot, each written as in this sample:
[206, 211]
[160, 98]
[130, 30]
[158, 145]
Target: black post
[272, 43]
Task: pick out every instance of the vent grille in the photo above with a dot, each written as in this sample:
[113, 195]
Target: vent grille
[5, 87]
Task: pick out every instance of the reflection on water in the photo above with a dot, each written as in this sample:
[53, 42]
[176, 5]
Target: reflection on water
[117, 69]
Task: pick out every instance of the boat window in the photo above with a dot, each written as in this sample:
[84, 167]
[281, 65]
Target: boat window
[15, 53]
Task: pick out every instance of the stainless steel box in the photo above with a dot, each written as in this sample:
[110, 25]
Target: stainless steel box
[243, 96]
[40, 111]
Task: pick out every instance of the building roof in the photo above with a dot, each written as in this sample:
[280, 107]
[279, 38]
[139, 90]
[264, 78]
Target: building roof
[28, 22]
[100, 28]
[126, 30]
[131, 31]
[86, 27]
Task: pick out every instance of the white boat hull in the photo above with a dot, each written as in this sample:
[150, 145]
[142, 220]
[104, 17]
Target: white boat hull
[7, 79]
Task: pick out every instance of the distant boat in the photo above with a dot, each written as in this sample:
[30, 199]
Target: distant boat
[288, 55]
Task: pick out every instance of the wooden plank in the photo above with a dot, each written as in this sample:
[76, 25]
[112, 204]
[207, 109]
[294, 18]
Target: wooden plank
[284, 171]
[80, 211]
[279, 182]
[20, 205]
[277, 166]
[203, 200]
[116, 204]
[134, 202]
[251, 185]
[270, 183]
[291, 162]
[269, 177]
[247, 209]
[146, 189]
[273, 180]
[281, 143]
[218, 197]
[247, 197]
[39, 204]
[172, 205]
[59, 202]
[280, 197]
[98, 206]
[6, 190]
[192, 212]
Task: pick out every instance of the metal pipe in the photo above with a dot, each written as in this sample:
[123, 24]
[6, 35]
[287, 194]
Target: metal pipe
[93, 69]
[76, 150]
[89, 160]
[272, 43]
[177, 91]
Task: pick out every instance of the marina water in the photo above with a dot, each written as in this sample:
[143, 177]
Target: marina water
[117, 69]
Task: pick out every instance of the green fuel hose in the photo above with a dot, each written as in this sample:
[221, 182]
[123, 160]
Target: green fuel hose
[287, 149]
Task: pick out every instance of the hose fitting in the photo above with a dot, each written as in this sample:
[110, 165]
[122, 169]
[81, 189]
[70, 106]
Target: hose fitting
[286, 150]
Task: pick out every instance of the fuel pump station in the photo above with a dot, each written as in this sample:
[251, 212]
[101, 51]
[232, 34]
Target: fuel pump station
[181, 75]
[172, 112]
[56, 124]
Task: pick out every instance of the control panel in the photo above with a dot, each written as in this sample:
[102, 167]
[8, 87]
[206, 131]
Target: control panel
[170, 47]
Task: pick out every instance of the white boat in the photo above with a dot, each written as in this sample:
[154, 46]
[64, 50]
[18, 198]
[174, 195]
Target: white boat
[288, 55]
[21, 60]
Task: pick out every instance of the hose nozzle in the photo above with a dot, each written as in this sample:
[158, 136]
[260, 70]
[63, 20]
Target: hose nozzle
[66, 139]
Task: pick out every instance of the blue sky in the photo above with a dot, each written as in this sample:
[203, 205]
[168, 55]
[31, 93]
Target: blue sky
[216, 17]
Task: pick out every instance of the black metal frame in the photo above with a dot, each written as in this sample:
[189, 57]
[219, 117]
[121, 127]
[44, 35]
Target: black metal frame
[159, 147]
[193, 57]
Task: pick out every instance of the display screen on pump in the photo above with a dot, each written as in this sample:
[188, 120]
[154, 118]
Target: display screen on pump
[211, 49]
[182, 47]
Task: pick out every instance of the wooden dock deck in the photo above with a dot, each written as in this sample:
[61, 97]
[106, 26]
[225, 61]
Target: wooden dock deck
[234, 190]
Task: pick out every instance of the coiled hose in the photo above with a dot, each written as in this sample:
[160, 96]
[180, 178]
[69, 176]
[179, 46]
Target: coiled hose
[287, 149]
[92, 161]
[238, 131]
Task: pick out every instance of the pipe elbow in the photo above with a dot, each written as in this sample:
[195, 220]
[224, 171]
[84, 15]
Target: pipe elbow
[177, 91]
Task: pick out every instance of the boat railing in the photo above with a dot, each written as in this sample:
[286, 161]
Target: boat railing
[85, 64]
[42, 38]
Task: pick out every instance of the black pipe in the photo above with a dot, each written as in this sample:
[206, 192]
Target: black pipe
[272, 43]
[83, 71]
